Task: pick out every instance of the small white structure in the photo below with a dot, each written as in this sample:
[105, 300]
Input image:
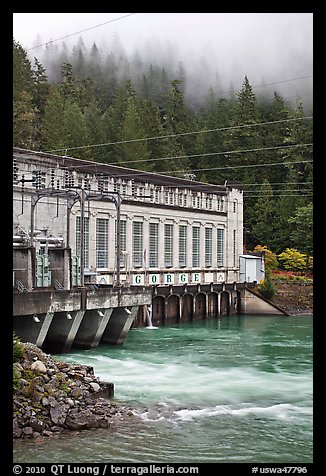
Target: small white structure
[252, 268]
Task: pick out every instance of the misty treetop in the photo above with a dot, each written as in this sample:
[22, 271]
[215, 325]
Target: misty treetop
[84, 98]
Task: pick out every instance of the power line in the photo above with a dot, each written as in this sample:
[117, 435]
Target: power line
[241, 126]
[81, 31]
[217, 153]
[285, 195]
[241, 166]
[282, 81]
[276, 183]
[229, 91]
[221, 153]
[285, 190]
[92, 164]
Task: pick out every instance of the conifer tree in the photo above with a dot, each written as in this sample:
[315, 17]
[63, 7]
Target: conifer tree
[24, 111]
[53, 129]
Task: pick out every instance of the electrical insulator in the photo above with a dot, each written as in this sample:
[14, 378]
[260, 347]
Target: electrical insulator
[87, 185]
[38, 180]
[52, 178]
[66, 179]
[100, 183]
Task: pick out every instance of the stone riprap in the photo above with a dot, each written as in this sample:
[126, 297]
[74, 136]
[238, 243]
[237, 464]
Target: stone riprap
[54, 396]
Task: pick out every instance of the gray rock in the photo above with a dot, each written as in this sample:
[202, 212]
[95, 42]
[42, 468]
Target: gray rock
[58, 414]
[38, 366]
[37, 425]
[95, 386]
[28, 431]
[82, 420]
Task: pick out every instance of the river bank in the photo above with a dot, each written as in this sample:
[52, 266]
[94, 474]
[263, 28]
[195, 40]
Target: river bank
[294, 298]
[54, 396]
[235, 389]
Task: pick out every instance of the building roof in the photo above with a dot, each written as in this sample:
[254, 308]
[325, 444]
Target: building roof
[92, 167]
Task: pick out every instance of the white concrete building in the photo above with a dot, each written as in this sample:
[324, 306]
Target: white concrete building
[172, 230]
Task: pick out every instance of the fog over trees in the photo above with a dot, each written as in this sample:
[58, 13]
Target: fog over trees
[74, 100]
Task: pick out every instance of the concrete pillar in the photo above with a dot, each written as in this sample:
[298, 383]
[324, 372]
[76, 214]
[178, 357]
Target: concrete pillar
[119, 324]
[26, 328]
[92, 327]
[218, 304]
[44, 329]
[62, 331]
[77, 317]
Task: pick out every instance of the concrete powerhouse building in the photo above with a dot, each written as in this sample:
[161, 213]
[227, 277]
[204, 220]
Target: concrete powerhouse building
[98, 248]
[172, 230]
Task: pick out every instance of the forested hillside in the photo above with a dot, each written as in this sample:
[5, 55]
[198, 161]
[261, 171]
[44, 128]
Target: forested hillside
[136, 115]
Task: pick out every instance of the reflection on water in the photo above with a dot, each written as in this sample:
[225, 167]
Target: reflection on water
[236, 389]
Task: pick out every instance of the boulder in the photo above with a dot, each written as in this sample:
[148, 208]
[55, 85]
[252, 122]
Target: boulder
[82, 420]
[38, 366]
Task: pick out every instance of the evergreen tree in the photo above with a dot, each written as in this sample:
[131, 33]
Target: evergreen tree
[302, 234]
[112, 123]
[132, 129]
[24, 111]
[262, 218]
[214, 116]
[153, 127]
[75, 133]
[40, 94]
[53, 128]
[244, 113]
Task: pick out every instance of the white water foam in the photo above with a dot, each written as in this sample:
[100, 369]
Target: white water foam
[279, 411]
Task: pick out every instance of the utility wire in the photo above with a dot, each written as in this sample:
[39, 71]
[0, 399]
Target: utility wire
[284, 195]
[229, 91]
[217, 153]
[241, 126]
[81, 31]
[240, 166]
[281, 191]
[223, 153]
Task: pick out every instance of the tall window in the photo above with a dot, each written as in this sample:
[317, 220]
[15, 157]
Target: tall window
[123, 240]
[153, 245]
[168, 245]
[137, 244]
[234, 248]
[195, 246]
[86, 239]
[220, 246]
[182, 245]
[208, 246]
[102, 242]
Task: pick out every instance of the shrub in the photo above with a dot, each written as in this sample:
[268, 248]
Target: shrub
[267, 287]
[270, 257]
[18, 348]
[293, 260]
[16, 378]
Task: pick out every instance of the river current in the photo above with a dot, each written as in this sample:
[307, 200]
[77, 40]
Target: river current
[236, 389]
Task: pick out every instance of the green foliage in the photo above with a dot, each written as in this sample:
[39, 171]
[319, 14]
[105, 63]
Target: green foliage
[293, 260]
[18, 353]
[18, 348]
[267, 288]
[301, 235]
[93, 99]
[270, 257]
[16, 378]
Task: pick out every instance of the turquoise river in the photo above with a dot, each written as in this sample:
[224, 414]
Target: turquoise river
[235, 389]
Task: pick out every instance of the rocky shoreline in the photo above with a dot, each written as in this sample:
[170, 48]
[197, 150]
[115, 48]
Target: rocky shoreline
[295, 299]
[54, 396]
